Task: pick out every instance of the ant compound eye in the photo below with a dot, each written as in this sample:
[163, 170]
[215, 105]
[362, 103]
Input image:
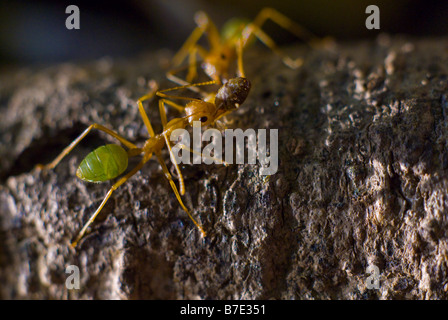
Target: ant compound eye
[203, 119]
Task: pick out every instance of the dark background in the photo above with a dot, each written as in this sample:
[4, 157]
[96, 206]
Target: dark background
[34, 31]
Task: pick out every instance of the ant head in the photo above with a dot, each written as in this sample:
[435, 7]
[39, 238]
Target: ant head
[232, 94]
[200, 111]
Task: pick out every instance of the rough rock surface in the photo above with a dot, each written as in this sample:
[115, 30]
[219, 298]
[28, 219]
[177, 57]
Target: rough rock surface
[362, 181]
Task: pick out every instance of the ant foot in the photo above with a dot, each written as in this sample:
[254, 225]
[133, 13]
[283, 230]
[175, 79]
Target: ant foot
[39, 167]
[293, 64]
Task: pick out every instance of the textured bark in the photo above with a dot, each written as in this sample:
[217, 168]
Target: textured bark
[362, 181]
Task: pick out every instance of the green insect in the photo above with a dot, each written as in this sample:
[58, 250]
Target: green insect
[102, 164]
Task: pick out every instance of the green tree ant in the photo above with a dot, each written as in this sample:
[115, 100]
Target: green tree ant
[227, 46]
[109, 161]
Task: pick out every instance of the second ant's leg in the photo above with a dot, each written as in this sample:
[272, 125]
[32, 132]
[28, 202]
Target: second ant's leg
[191, 66]
[109, 193]
[192, 63]
[179, 57]
[176, 192]
[240, 58]
[205, 25]
[213, 36]
[252, 29]
[284, 22]
[192, 69]
[171, 75]
[72, 145]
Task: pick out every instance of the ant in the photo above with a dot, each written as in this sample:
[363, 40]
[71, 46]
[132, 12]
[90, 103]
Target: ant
[227, 47]
[109, 161]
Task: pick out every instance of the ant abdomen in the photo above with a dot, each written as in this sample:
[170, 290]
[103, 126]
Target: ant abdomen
[102, 164]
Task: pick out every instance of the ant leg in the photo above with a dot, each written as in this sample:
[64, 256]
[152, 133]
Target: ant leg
[180, 56]
[171, 75]
[213, 36]
[109, 193]
[192, 68]
[72, 145]
[143, 114]
[286, 23]
[252, 29]
[176, 192]
[240, 58]
[162, 113]
[162, 103]
[176, 166]
[204, 25]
